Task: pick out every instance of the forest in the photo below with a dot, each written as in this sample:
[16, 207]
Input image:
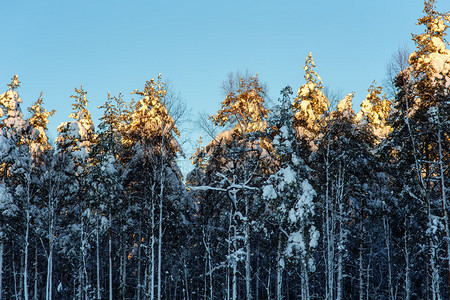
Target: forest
[301, 200]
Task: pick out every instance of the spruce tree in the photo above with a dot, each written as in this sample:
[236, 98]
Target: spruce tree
[291, 196]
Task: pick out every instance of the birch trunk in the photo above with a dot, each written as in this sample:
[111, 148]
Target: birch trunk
[152, 250]
[435, 278]
[208, 266]
[110, 257]
[279, 270]
[229, 266]
[139, 266]
[27, 234]
[97, 241]
[1, 269]
[35, 294]
[49, 267]
[248, 278]
[123, 264]
[361, 270]
[85, 272]
[234, 280]
[27, 238]
[49, 283]
[160, 232]
[340, 262]
[305, 281]
[444, 200]
[407, 264]
[329, 235]
[388, 253]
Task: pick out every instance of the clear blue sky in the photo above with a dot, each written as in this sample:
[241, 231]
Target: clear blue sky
[115, 46]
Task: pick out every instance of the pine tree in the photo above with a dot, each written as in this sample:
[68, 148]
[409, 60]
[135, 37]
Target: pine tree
[416, 147]
[343, 169]
[76, 140]
[310, 105]
[11, 118]
[375, 112]
[152, 184]
[233, 163]
[77, 137]
[105, 187]
[291, 196]
[8, 211]
[20, 172]
[38, 121]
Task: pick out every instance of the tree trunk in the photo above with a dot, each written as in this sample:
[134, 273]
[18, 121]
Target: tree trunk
[85, 279]
[388, 253]
[340, 260]
[152, 250]
[407, 263]
[248, 278]
[160, 232]
[1, 268]
[27, 236]
[361, 262]
[16, 292]
[139, 266]
[444, 201]
[329, 234]
[35, 294]
[235, 273]
[97, 241]
[123, 264]
[48, 293]
[229, 266]
[280, 264]
[305, 280]
[110, 258]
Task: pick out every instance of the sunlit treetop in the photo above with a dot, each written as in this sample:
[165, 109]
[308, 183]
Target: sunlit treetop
[431, 60]
[244, 108]
[39, 121]
[375, 111]
[77, 137]
[11, 117]
[345, 106]
[150, 114]
[80, 111]
[15, 83]
[310, 105]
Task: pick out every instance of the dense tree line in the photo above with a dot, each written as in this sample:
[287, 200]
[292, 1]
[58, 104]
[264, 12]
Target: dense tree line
[301, 200]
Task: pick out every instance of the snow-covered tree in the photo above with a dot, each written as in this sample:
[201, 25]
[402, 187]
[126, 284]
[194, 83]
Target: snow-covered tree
[8, 210]
[343, 164]
[152, 184]
[418, 146]
[12, 121]
[77, 137]
[233, 164]
[311, 104]
[375, 112]
[291, 197]
[243, 108]
[39, 121]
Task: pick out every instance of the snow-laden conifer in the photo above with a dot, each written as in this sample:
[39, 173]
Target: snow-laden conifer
[292, 199]
[375, 111]
[311, 104]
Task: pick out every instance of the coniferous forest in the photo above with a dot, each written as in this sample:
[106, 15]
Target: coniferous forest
[301, 200]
